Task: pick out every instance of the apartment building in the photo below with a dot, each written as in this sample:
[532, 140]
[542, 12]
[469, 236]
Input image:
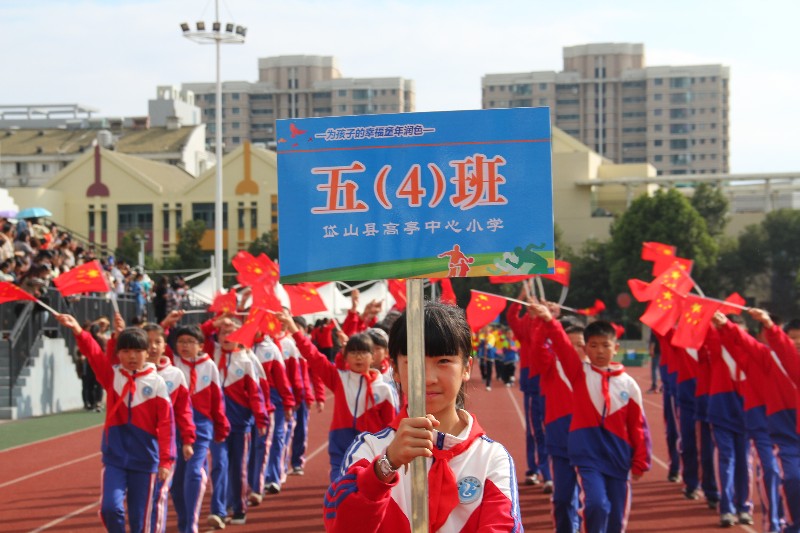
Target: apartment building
[293, 87]
[673, 117]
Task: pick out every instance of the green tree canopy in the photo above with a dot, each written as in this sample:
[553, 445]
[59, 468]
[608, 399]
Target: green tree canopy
[712, 205]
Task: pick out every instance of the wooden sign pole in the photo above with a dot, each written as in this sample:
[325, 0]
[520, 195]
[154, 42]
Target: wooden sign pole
[415, 327]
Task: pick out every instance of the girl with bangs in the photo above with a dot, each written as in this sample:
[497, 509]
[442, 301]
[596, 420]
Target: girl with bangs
[472, 480]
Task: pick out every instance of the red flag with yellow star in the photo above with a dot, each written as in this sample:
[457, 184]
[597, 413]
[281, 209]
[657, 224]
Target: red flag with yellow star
[483, 308]
[255, 270]
[509, 279]
[264, 297]
[88, 277]
[246, 334]
[693, 322]
[597, 307]
[224, 303]
[675, 278]
[11, 293]
[304, 299]
[561, 275]
[447, 295]
[663, 311]
[397, 288]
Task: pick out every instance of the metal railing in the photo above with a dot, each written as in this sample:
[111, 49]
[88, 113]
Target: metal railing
[23, 323]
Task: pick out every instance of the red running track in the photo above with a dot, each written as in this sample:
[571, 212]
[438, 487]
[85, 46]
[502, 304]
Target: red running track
[53, 485]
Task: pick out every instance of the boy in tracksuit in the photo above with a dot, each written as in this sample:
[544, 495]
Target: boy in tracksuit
[244, 405]
[538, 469]
[669, 381]
[208, 413]
[558, 415]
[609, 442]
[257, 462]
[708, 471]
[726, 415]
[137, 438]
[781, 403]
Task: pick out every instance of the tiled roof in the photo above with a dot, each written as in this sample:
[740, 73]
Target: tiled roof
[30, 142]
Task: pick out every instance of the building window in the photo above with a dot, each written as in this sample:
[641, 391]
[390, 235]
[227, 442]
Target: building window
[235, 110]
[235, 125]
[678, 144]
[342, 92]
[658, 127]
[542, 86]
[658, 81]
[657, 112]
[679, 83]
[658, 158]
[133, 216]
[236, 140]
[361, 94]
[234, 96]
[205, 212]
[542, 101]
[657, 96]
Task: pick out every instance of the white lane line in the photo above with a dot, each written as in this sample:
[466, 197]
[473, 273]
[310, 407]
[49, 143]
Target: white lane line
[516, 406]
[65, 517]
[46, 470]
[50, 438]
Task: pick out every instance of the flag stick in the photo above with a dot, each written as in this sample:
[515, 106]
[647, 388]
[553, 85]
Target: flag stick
[563, 307]
[729, 304]
[47, 307]
[193, 311]
[415, 335]
[115, 304]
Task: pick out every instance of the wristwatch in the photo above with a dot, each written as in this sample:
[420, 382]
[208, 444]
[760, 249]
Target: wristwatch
[385, 468]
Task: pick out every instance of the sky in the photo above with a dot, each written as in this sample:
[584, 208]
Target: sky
[112, 54]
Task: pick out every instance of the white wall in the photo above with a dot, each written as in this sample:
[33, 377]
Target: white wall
[52, 386]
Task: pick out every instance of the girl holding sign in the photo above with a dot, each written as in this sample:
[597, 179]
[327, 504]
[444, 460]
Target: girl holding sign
[472, 481]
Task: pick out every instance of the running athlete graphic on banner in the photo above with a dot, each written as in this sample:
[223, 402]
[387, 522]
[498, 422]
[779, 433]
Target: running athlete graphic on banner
[458, 262]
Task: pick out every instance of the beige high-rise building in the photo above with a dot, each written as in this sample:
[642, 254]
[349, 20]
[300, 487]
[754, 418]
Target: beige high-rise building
[294, 87]
[674, 117]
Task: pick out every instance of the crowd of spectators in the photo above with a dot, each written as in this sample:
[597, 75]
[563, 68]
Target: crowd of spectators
[33, 253]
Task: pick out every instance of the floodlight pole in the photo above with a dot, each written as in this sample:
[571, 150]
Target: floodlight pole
[232, 35]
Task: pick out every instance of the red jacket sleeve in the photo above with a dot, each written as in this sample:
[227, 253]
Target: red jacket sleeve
[208, 330]
[222, 427]
[357, 501]
[256, 399]
[318, 363]
[353, 324]
[276, 374]
[784, 347]
[745, 349]
[100, 363]
[165, 425]
[293, 373]
[111, 351]
[570, 359]
[639, 435]
[319, 386]
[184, 419]
[307, 381]
[542, 358]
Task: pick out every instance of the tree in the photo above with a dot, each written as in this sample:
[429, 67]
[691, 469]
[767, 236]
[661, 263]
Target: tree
[782, 229]
[190, 253]
[128, 249]
[666, 217]
[267, 244]
[713, 206]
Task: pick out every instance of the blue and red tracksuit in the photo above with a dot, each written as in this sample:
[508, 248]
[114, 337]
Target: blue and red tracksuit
[281, 398]
[211, 424]
[257, 462]
[535, 439]
[185, 434]
[726, 415]
[608, 436]
[669, 378]
[244, 406]
[137, 438]
[306, 389]
[557, 391]
[708, 475]
[780, 396]
[361, 402]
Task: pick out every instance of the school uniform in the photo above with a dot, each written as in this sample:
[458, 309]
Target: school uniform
[708, 471]
[257, 461]
[726, 415]
[479, 494]
[670, 410]
[534, 403]
[608, 436]
[361, 402]
[137, 438]
[557, 390]
[185, 434]
[304, 394]
[779, 393]
[211, 424]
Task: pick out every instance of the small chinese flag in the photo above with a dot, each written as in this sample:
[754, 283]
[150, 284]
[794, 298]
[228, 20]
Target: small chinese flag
[619, 330]
[693, 322]
[483, 308]
[264, 297]
[246, 334]
[270, 325]
[304, 299]
[561, 275]
[397, 288]
[11, 293]
[663, 311]
[675, 278]
[509, 279]
[682, 263]
[597, 307]
[87, 277]
[224, 302]
[255, 270]
[656, 251]
[447, 296]
[737, 303]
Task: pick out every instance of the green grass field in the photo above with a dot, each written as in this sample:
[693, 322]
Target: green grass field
[17, 432]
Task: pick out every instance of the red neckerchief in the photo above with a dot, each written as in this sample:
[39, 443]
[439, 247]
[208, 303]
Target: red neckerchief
[606, 377]
[163, 362]
[193, 371]
[442, 485]
[127, 391]
[369, 400]
[385, 365]
[223, 364]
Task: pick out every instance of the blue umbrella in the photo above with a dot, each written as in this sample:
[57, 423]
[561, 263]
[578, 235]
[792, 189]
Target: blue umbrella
[34, 212]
